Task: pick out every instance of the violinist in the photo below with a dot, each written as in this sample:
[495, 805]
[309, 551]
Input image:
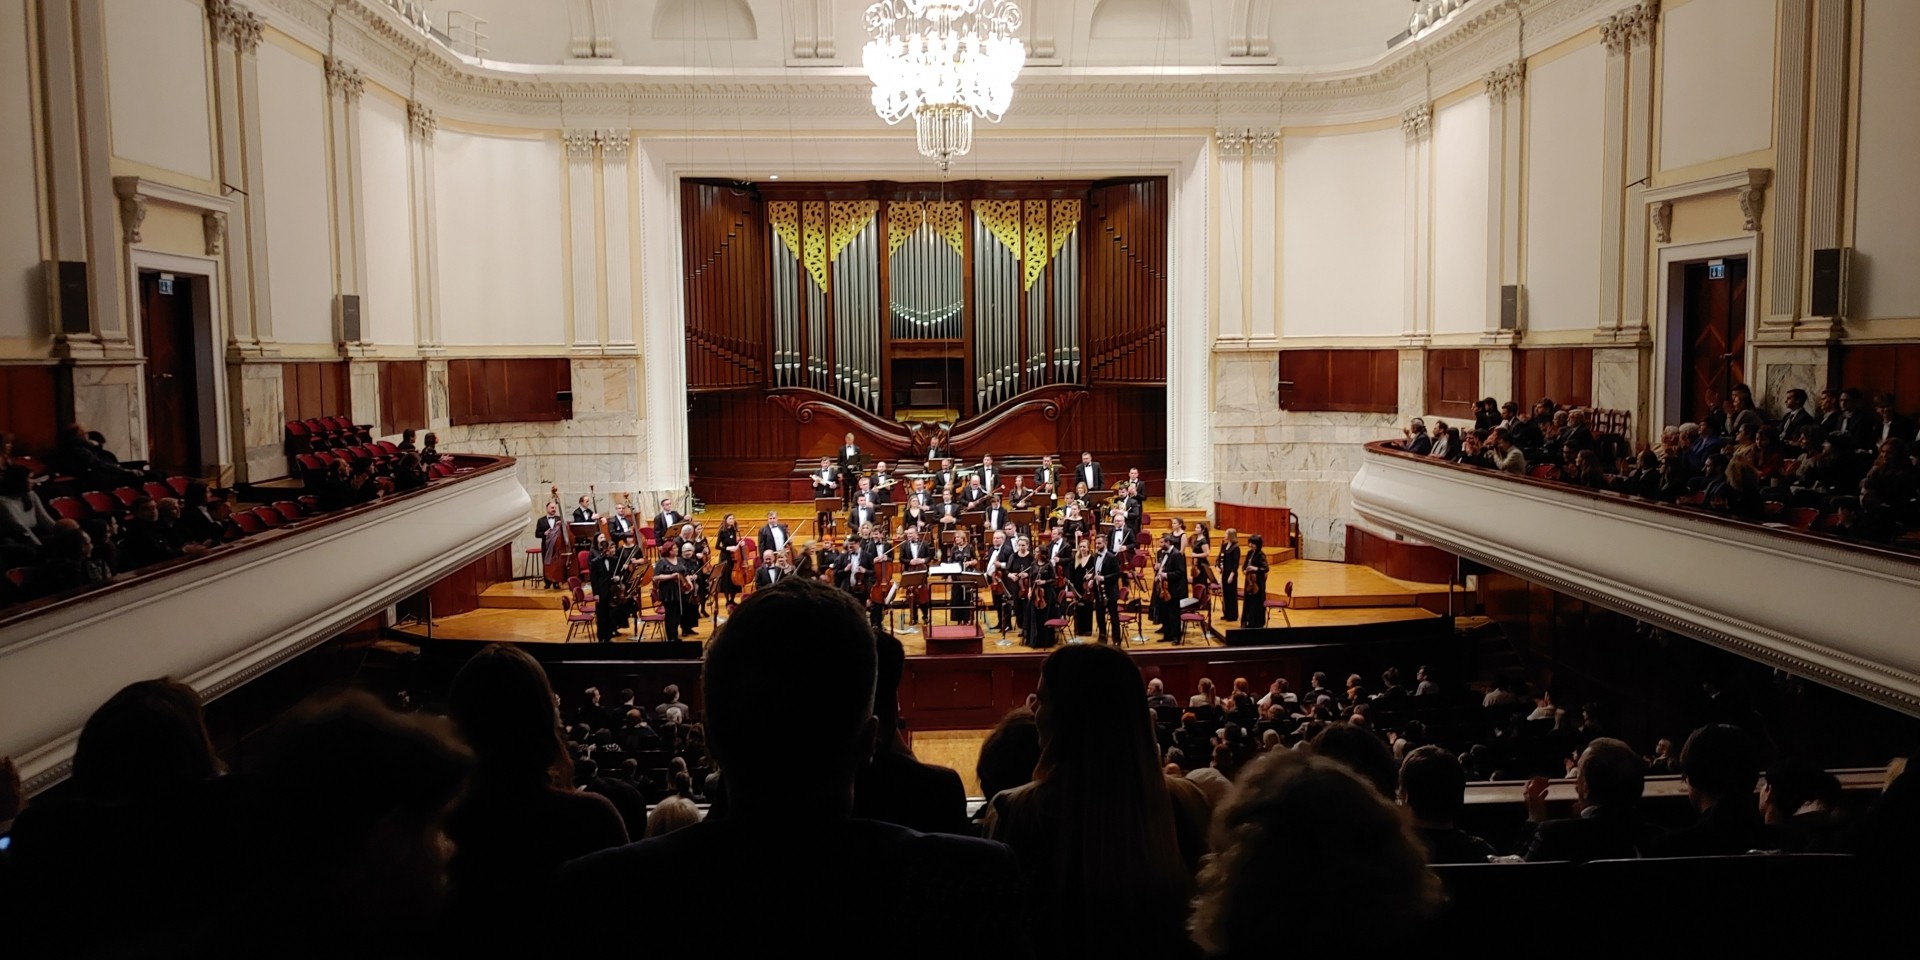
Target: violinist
[771, 569]
[917, 556]
[961, 553]
[584, 513]
[1230, 576]
[1042, 599]
[1202, 546]
[672, 587]
[550, 531]
[1101, 582]
[1058, 551]
[917, 516]
[620, 525]
[1017, 573]
[998, 553]
[690, 565]
[1170, 587]
[610, 607]
[1254, 614]
[729, 540]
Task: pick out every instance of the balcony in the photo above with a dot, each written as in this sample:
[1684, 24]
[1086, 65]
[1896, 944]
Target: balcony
[217, 621]
[1836, 612]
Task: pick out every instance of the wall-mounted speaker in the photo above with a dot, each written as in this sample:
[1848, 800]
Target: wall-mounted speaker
[348, 307]
[1512, 307]
[68, 279]
[563, 396]
[1829, 285]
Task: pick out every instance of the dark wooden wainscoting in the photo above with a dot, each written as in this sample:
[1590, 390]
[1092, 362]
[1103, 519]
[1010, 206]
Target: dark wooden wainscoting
[1399, 558]
[508, 390]
[28, 394]
[1563, 373]
[403, 396]
[1340, 381]
[1453, 382]
[318, 389]
[1877, 368]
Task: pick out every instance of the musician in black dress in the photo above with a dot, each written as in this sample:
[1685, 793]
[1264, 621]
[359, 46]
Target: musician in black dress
[690, 605]
[1230, 576]
[549, 530]
[729, 541]
[1075, 527]
[1019, 581]
[1170, 567]
[1076, 576]
[1255, 612]
[1043, 599]
[670, 579]
[1101, 585]
[1021, 496]
[604, 573]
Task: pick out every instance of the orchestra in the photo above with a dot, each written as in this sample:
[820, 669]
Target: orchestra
[1077, 565]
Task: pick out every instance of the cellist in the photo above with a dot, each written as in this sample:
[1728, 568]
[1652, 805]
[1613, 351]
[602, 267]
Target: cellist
[736, 566]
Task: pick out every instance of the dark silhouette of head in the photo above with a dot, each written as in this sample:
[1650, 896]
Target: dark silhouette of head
[148, 740]
[1362, 752]
[503, 706]
[1432, 785]
[1009, 754]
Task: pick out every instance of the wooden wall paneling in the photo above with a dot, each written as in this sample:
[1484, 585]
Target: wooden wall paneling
[1401, 559]
[1564, 374]
[315, 389]
[403, 396]
[32, 413]
[1340, 381]
[1453, 382]
[1271, 523]
[725, 269]
[508, 390]
[1125, 284]
[1876, 368]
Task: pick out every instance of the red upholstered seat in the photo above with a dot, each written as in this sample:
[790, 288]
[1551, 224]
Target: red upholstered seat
[1799, 518]
[100, 503]
[126, 495]
[575, 618]
[179, 485]
[268, 516]
[288, 510]
[248, 523]
[68, 508]
[158, 491]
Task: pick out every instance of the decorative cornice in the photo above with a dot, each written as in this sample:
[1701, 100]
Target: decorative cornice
[1750, 185]
[421, 123]
[1417, 123]
[344, 80]
[1506, 81]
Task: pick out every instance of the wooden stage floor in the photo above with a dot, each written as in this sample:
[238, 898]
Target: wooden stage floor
[1325, 594]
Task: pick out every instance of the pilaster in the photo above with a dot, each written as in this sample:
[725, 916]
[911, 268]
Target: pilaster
[1496, 374]
[582, 215]
[1638, 169]
[1828, 162]
[231, 27]
[616, 207]
[1413, 382]
[1417, 319]
[1506, 94]
[421, 124]
[1622, 380]
[344, 87]
[1786, 253]
[250, 241]
[1232, 211]
[80, 198]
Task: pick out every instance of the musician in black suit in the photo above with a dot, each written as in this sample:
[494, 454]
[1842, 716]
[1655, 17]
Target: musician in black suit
[1170, 566]
[1133, 480]
[996, 515]
[1120, 538]
[946, 513]
[609, 613]
[1046, 479]
[988, 474]
[543, 531]
[584, 513]
[668, 519]
[882, 485]
[1089, 472]
[974, 496]
[864, 514]
[1100, 584]
[946, 479]
[1230, 576]
[774, 535]
[620, 525]
[770, 571]
[916, 555]
[672, 592]
[998, 553]
[849, 467]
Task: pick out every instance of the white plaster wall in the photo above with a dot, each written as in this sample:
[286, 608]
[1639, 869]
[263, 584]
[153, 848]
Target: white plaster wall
[157, 84]
[1342, 234]
[22, 310]
[1887, 234]
[1716, 93]
[1565, 98]
[388, 309]
[1461, 217]
[293, 130]
[500, 238]
[1335, 31]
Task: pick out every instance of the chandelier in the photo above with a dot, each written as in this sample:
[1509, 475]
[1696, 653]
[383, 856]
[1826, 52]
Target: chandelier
[943, 62]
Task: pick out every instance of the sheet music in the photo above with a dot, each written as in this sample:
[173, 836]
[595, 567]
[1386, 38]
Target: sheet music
[945, 570]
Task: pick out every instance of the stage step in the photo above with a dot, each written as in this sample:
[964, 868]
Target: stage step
[520, 595]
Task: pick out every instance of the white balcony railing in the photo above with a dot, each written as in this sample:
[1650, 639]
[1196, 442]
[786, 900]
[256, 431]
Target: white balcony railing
[1839, 613]
[222, 619]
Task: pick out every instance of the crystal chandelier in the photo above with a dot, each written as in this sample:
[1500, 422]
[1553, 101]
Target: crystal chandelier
[943, 62]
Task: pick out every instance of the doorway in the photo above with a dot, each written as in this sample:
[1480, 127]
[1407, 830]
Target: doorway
[168, 328]
[1712, 335]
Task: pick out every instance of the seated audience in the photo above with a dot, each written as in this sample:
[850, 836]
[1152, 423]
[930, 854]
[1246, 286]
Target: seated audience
[25, 522]
[67, 562]
[1291, 816]
[521, 818]
[1433, 789]
[788, 865]
[1608, 781]
[1157, 695]
[895, 786]
[143, 540]
[1009, 754]
[1719, 768]
[1800, 804]
[1108, 842]
[1416, 440]
[671, 814]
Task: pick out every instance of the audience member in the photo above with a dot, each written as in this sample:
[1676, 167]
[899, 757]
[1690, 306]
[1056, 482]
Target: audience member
[1293, 816]
[895, 786]
[1433, 789]
[1108, 841]
[671, 814]
[1608, 781]
[1363, 753]
[1799, 803]
[788, 849]
[1720, 770]
[1009, 754]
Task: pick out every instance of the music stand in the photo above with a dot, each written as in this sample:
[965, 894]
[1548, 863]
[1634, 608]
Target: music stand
[910, 581]
[585, 534]
[973, 518]
[1021, 519]
[824, 506]
[1098, 498]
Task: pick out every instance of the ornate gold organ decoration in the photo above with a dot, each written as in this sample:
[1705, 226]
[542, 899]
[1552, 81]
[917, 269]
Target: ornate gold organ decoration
[1030, 230]
[816, 231]
[948, 218]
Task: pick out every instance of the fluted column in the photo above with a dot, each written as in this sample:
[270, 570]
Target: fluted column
[344, 87]
[581, 147]
[1230, 219]
[1637, 168]
[1247, 231]
[80, 196]
[421, 124]
[1506, 93]
[616, 146]
[234, 27]
[1417, 216]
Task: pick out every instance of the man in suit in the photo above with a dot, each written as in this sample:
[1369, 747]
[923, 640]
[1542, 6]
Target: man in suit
[548, 530]
[620, 525]
[946, 479]
[996, 515]
[1444, 446]
[1046, 479]
[1131, 501]
[814, 883]
[1855, 422]
[1089, 471]
[915, 555]
[774, 535]
[863, 490]
[946, 513]
[584, 513]
[974, 497]
[826, 480]
[849, 467]
[882, 485]
[770, 572]
[666, 520]
[1157, 695]
[1797, 419]
[988, 474]
[863, 514]
[999, 551]
[1133, 478]
[1120, 539]
[896, 787]
[608, 616]
[1576, 438]
[1893, 426]
[1720, 768]
[1433, 791]
[1101, 586]
[673, 592]
[1608, 780]
[1415, 439]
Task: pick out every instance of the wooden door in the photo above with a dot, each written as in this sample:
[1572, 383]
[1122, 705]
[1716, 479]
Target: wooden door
[173, 388]
[1713, 350]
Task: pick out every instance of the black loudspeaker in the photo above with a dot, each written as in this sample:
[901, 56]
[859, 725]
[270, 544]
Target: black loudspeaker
[350, 328]
[69, 280]
[1829, 286]
[563, 396]
[1510, 307]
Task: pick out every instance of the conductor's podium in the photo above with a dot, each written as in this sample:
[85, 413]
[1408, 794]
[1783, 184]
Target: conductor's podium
[954, 638]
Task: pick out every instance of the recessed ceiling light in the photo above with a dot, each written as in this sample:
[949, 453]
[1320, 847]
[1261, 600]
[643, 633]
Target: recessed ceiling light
[774, 176]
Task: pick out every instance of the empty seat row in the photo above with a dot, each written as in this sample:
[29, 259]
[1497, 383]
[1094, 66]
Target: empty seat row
[325, 433]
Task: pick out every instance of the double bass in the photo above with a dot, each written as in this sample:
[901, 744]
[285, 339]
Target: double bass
[559, 558]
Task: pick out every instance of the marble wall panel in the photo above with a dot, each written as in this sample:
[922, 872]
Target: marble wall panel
[1620, 382]
[1779, 369]
[262, 416]
[111, 398]
[363, 378]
